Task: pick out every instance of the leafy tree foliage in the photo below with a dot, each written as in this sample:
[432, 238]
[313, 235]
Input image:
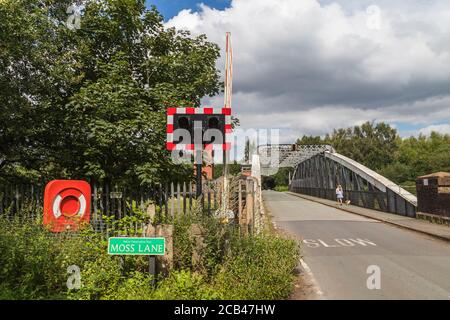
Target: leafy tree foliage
[233, 169]
[90, 102]
[380, 148]
[370, 144]
[419, 156]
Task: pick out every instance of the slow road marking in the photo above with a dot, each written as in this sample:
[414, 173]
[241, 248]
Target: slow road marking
[339, 242]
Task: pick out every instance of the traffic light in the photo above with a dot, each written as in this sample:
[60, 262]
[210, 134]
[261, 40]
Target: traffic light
[182, 129]
[214, 130]
[213, 122]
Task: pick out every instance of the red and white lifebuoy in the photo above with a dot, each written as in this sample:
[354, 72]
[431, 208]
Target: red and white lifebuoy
[67, 205]
[70, 203]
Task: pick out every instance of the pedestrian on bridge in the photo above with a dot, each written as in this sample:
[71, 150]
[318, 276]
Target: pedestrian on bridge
[339, 194]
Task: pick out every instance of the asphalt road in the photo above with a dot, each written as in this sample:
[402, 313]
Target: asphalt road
[343, 253]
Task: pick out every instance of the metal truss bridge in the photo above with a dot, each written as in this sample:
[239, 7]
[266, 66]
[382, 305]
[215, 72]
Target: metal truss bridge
[318, 170]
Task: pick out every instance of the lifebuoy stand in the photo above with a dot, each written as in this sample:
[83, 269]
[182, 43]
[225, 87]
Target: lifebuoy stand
[67, 205]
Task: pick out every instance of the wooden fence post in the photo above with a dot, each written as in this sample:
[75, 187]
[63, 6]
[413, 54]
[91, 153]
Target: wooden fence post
[249, 204]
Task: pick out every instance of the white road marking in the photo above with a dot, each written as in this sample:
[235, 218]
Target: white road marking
[340, 242]
[363, 242]
[310, 243]
[326, 245]
[308, 271]
[345, 242]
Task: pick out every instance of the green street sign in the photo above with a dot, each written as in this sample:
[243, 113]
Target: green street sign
[136, 246]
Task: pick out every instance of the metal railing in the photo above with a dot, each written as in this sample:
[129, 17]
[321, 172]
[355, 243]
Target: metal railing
[109, 201]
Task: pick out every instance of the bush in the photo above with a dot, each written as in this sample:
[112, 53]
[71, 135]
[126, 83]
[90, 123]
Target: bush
[281, 188]
[100, 279]
[137, 286]
[260, 267]
[184, 285]
[182, 243]
[34, 262]
[215, 239]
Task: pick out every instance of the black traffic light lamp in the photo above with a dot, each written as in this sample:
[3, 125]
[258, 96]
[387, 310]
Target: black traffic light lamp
[187, 121]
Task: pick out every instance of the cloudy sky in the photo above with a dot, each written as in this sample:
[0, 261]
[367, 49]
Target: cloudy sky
[308, 66]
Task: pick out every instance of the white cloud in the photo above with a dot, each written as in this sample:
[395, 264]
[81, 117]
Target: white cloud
[309, 66]
[442, 128]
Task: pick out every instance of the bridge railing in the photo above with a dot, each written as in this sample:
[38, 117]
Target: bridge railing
[376, 200]
[319, 175]
[388, 201]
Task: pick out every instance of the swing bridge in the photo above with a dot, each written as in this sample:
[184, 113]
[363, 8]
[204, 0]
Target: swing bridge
[319, 169]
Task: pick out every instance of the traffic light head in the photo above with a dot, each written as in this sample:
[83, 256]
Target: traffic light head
[213, 122]
[184, 123]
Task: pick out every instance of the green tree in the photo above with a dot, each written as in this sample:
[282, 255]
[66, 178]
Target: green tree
[310, 140]
[374, 145]
[234, 169]
[381, 149]
[419, 156]
[90, 102]
[31, 80]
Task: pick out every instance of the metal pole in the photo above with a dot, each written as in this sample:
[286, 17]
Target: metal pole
[152, 262]
[227, 104]
[225, 182]
[152, 268]
[198, 156]
[199, 179]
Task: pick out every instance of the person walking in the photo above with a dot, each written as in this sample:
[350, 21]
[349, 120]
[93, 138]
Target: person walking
[339, 194]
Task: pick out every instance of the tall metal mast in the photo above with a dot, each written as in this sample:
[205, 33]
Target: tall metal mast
[227, 104]
[228, 72]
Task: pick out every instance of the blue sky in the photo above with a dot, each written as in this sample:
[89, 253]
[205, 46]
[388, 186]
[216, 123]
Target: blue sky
[170, 8]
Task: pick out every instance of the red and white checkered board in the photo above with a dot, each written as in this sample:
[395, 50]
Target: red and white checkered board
[208, 111]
